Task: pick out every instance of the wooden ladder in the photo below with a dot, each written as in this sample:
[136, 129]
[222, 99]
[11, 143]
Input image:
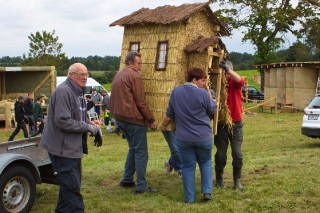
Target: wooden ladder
[216, 71]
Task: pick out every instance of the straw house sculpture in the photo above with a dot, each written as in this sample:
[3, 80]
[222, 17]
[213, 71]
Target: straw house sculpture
[173, 39]
[291, 83]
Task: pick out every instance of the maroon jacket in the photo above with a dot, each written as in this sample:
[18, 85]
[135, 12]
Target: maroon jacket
[127, 101]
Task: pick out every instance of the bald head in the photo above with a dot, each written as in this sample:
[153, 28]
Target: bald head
[78, 73]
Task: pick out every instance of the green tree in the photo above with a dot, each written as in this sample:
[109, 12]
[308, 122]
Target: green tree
[45, 50]
[264, 23]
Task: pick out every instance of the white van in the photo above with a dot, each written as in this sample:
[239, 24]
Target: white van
[91, 83]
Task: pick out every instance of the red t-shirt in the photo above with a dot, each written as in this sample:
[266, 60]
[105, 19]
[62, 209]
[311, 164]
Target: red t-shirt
[234, 99]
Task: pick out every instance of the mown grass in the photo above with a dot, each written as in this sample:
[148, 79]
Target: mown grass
[280, 174]
[249, 74]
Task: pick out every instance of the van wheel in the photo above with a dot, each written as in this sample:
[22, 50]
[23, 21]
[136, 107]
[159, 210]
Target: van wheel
[18, 190]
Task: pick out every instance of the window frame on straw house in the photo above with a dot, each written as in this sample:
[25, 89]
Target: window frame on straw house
[134, 46]
[162, 55]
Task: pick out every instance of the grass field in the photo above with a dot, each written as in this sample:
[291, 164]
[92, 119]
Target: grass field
[280, 174]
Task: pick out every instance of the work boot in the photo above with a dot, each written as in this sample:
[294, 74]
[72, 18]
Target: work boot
[219, 179]
[237, 178]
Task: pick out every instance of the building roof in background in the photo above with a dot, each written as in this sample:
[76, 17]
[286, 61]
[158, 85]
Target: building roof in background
[170, 14]
[313, 64]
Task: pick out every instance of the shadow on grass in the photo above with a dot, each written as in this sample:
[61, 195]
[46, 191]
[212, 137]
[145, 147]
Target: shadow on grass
[315, 144]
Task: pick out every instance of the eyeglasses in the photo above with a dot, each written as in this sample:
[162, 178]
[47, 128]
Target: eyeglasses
[82, 74]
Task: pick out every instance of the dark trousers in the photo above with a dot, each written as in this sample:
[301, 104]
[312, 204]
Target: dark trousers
[221, 141]
[20, 125]
[68, 174]
[97, 110]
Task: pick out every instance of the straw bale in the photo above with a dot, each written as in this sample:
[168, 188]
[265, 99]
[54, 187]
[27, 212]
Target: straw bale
[302, 97]
[281, 94]
[289, 95]
[281, 77]
[289, 77]
[199, 60]
[305, 78]
[199, 25]
[270, 93]
[288, 109]
[273, 78]
[266, 77]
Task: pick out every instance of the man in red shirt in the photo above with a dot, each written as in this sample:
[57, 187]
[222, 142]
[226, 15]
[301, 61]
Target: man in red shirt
[233, 135]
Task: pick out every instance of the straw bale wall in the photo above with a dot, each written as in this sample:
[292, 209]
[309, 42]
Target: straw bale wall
[266, 78]
[289, 77]
[289, 85]
[289, 95]
[294, 85]
[199, 60]
[273, 78]
[199, 24]
[281, 84]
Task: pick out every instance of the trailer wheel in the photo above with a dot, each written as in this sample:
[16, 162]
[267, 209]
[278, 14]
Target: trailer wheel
[18, 189]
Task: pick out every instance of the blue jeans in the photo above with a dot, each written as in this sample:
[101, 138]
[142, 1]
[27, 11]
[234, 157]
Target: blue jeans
[191, 153]
[97, 110]
[137, 157]
[174, 159]
[68, 174]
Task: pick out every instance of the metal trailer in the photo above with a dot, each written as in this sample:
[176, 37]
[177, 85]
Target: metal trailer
[23, 164]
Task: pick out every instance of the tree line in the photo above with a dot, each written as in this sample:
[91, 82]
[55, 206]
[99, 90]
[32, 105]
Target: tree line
[297, 52]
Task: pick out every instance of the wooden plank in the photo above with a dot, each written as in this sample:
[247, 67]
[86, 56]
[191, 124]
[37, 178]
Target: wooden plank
[210, 52]
[218, 90]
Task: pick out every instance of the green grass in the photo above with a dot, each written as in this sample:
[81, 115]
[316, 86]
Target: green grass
[107, 86]
[280, 174]
[249, 74]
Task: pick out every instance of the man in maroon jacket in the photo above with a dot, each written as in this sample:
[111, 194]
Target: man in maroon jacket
[128, 106]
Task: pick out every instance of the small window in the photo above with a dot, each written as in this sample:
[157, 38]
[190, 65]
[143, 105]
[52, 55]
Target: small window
[162, 55]
[134, 46]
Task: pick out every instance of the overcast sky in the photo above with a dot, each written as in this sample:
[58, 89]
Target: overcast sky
[81, 25]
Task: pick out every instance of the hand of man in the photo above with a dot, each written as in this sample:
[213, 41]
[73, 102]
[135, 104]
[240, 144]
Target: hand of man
[153, 125]
[98, 139]
[93, 129]
[224, 66]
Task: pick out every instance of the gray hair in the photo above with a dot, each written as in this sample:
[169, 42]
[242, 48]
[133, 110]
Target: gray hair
[72, 69]
[229, 63]
[131, 56]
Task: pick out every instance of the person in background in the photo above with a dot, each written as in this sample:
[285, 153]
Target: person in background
[38, 116]
[37, 109]
[106, 107]
[65, 137]
[128, 106]
[233, 135]
[96, 98]
[191, 106]
[174, 162]
[19, 116]
[28, 113]
[90, 104]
